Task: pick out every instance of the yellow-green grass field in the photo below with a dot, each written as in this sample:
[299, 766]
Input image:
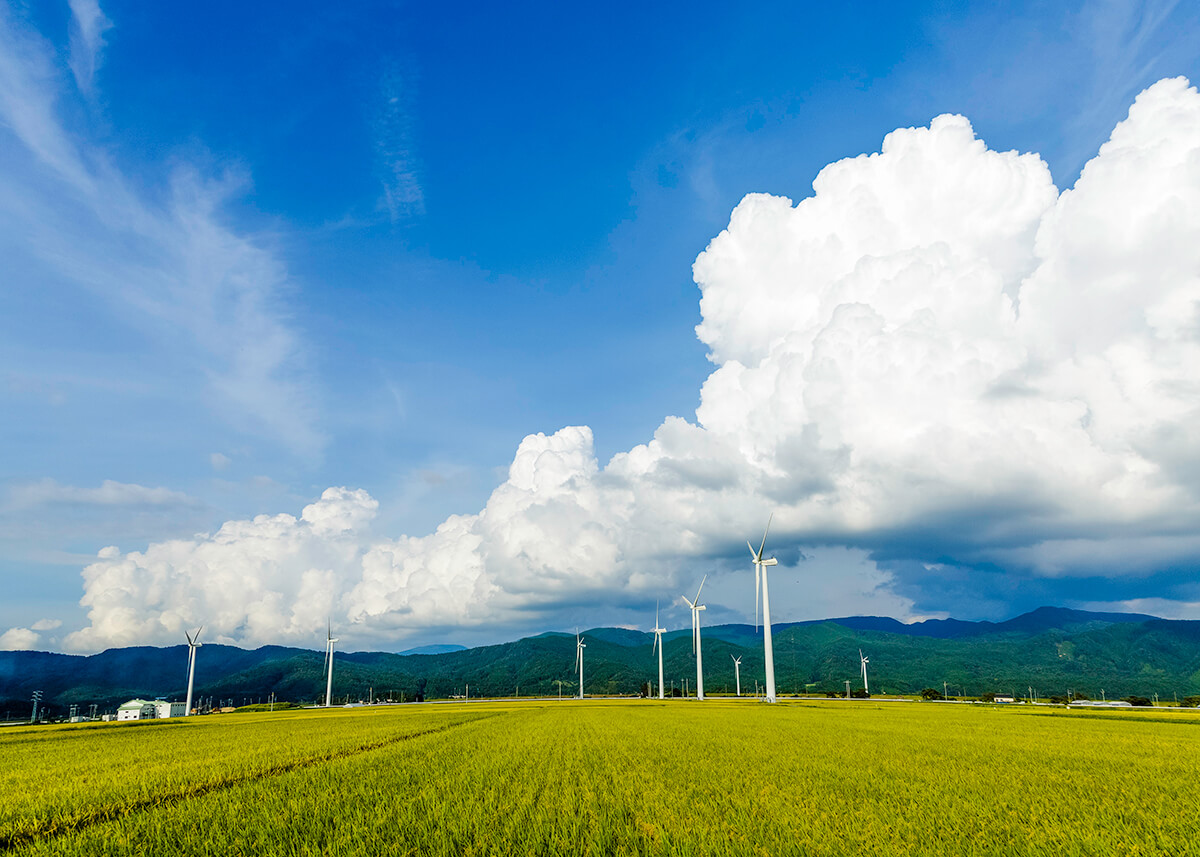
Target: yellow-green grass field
[639, 777]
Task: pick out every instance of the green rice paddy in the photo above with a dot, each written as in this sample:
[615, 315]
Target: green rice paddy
[637, 777]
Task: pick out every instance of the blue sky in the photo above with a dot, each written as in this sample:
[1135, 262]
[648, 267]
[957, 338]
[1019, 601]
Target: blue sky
[256, 252]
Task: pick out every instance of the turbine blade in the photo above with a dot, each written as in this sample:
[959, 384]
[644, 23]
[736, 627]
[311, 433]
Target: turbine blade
[757, 587]
[752, 553]
[701, 587]
[767, 530]
[198, 630]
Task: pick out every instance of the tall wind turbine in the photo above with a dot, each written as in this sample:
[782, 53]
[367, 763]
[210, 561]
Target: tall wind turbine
[737, 673]
[760, 582]
[696, 608]
[579, 647]
[329, 641]
[193, 644]
[658, 632]
[865, 660]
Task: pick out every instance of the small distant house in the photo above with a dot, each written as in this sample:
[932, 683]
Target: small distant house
[170, 709]
[1004, 699]
[137, 709]
[143, 709]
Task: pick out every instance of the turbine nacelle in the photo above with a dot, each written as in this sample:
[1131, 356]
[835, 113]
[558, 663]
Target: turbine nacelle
[759, 564]
[658, 632]
[696, 607]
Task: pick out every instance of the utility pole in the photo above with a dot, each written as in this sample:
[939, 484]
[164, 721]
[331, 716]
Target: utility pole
[847, 688]
[945, 691]
[37, 697]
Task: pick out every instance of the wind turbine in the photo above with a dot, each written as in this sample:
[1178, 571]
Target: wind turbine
[579, 647]
[696, 608]
[865, 660]
[737, 673]
[760, 581]
[193, 644]
[658, 632]
[329, 641]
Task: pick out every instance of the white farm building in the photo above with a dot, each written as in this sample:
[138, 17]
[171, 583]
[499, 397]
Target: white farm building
[142, 709]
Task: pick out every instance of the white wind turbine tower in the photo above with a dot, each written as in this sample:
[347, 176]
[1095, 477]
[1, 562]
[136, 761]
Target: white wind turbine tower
[737, 673]
[193, 644]
[696, 608]
[865, 660]
[579, 647]
[658, 632]
[329, 641]
[760, 582]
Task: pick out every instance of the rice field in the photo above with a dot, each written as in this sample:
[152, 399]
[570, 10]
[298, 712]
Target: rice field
[637, 777]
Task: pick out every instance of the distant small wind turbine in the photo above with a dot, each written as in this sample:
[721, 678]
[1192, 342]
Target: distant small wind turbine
[865, 660]
[579, 647]
[329, 641]
[696, 608]
[737, 673]
[760, 581]
[658, 632]
[193, 644]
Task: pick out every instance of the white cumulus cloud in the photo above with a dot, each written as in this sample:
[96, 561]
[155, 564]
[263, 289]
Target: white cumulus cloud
[19, 640]
[935, 356]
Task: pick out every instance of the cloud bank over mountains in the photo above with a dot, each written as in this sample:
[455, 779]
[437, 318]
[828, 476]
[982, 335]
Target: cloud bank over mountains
[937, 358]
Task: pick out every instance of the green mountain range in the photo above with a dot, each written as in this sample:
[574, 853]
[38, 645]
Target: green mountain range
[1052, 650]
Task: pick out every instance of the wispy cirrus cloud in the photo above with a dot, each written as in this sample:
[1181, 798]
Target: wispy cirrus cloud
[395, 144]
[88, 27]
[109, 493]
[208, 300]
